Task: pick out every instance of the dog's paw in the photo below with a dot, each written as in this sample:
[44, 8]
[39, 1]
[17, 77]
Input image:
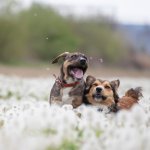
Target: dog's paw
[114, 108]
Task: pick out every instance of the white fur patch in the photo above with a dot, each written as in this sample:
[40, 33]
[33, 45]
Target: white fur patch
[66, 99]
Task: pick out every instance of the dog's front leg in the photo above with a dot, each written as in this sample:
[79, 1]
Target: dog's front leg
[77, 101]
[55, 101]
[55, 95]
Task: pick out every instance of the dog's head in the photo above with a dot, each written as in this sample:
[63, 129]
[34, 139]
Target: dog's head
[101, 92]
[74, 65]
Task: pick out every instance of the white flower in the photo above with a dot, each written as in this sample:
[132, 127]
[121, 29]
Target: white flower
[28, 122]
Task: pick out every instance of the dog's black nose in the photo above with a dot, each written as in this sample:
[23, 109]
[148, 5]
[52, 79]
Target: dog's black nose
[98, 89]
[82, 61]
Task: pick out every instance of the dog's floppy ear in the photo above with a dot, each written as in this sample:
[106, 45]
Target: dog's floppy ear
[63, 55]
[115, 84]
[89, 80]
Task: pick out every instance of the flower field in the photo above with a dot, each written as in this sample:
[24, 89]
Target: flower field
[27, 122]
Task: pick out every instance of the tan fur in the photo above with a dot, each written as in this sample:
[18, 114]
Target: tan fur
[107, 91]
[65, 66]
[108, 102]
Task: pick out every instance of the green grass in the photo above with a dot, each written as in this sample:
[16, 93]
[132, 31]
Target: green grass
[65, 145]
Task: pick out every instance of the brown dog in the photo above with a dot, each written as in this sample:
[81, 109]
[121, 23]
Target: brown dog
[69, 86]
[101, 93]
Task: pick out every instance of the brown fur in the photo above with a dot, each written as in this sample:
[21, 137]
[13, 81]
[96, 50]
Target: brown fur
[131, 97]
[106, 97]
[75, 92]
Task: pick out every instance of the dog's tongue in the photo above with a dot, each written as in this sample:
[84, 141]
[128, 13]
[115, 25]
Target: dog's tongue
[78, 73]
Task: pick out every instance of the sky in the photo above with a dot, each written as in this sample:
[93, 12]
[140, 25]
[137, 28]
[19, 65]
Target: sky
[124, 11]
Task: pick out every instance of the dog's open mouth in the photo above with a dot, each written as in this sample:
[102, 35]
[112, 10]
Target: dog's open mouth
[77, 72]
[99, 97]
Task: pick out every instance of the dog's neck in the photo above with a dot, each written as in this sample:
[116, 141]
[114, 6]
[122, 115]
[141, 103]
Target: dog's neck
[70, 82]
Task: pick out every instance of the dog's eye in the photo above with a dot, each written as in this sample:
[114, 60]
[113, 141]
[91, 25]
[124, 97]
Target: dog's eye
[95, 84]
[73, 56]
[107, 87]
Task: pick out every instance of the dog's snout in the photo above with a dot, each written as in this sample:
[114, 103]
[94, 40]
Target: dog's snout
[98, 89]
[82, 61]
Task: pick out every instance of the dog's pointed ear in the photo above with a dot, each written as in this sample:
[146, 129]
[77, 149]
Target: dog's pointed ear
[115, 84]
[89, 80]
[63, 55]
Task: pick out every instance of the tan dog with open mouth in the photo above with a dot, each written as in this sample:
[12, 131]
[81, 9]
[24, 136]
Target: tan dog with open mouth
[101, 93]
[69, 86]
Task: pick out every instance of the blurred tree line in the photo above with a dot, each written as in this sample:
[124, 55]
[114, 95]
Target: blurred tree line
[39, 33]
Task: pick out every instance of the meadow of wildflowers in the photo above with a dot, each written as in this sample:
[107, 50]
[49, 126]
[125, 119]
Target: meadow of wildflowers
[27, 122]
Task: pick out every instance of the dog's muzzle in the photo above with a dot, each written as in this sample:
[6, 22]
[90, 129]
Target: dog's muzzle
[98, 94]
[99, 90]
[77, 70]
[83, 62]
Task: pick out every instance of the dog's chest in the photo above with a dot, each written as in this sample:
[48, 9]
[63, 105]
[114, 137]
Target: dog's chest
[66, 98]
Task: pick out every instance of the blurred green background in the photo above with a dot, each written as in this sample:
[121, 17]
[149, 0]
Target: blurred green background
[39, 33]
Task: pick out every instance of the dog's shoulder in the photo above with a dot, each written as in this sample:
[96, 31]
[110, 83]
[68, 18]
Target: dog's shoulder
[56, 89]
[78, 89]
